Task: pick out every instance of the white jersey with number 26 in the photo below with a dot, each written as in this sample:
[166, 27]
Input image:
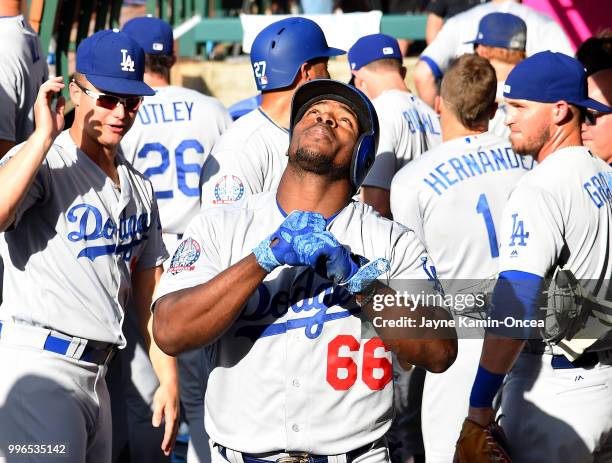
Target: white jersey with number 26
[172, 135]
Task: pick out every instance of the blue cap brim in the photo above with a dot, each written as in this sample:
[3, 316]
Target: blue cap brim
[592, 104]
[120, 86]
[334, 52]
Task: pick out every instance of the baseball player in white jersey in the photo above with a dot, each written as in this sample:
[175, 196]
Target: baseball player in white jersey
[556, 401]
[81, 237]
[293, 355]
[252, 155]
[465, 181]
[173, 133]
[543, 33]
[23, 70]
[408, 127]
[501, 40]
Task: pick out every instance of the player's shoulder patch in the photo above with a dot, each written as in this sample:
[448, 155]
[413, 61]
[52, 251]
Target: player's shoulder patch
[228, 189]
[186, 255]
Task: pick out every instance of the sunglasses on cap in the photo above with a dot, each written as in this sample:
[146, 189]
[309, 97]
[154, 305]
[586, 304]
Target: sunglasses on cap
[591, 115]
[106, 101]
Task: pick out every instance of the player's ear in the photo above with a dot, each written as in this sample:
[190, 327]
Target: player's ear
[75, 93]
[305, 71]
[561, 112]
[437, 103]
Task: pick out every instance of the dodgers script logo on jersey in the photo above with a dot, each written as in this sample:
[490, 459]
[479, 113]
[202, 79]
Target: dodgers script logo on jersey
[313, 298]
[185, 256]
[228, 189]
[92, 227]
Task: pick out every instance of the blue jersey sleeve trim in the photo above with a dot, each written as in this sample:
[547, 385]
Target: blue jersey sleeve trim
[435, 69]
[516, 298]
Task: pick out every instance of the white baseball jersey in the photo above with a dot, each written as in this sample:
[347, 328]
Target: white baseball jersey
[249, 158]
[543, 33]
[408, 128]
[561, 215]
[76, 240]
[172, 135]
[23, 71]
[453, 197]
[291, 366]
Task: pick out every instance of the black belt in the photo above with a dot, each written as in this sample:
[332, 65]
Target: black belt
[298, 457]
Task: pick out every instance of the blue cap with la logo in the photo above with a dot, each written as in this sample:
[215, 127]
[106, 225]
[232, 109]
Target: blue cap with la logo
[154, 35]
[113, 62]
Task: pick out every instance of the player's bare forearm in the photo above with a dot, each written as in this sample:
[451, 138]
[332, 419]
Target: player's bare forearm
[499, 353]
[17, 174]
[433, 347]
[425, 83]
[144, 283]
[197, 316]
[378, 198]
[433, 26]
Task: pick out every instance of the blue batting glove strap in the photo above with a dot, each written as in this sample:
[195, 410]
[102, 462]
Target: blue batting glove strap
[486, 385]
[366, 275]
[264, 255]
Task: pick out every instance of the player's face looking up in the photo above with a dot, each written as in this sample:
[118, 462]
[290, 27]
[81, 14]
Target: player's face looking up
[104, 117]
[324, 138]
[529, 124]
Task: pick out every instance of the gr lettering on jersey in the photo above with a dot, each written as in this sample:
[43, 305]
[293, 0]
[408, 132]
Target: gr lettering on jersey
[163, 113]
[92, 227]
[313, 298]
[457, 169]
[599, 188]
[418, 122]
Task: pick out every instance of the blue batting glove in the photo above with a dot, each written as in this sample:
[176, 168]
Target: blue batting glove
[292, 242]
[331, 259]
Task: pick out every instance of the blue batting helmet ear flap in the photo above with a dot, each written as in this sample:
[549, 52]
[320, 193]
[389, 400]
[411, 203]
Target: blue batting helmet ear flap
[364, 152]
[281, 48]
[363, 158]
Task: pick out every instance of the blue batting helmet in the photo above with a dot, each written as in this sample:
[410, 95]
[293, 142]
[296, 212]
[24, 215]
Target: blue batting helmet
[328, 89]
[280, 49]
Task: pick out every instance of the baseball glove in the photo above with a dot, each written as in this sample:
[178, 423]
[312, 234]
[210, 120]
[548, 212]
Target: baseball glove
[481, 444]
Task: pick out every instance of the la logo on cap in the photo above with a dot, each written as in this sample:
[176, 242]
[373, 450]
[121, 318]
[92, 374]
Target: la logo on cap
[158, 46]
[128, 63]
[387, 51]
